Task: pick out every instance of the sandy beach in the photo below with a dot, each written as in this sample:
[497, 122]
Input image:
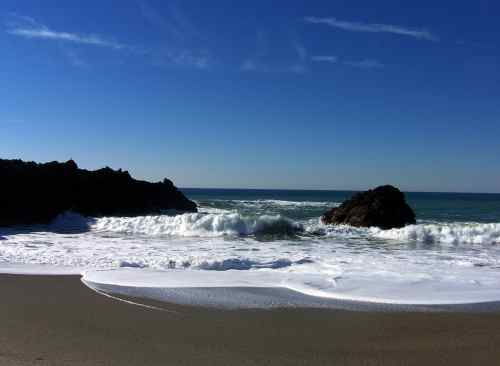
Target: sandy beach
[56, 320]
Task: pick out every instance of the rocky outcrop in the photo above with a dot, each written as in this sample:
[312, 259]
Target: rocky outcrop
[384, 207]
[37, 193]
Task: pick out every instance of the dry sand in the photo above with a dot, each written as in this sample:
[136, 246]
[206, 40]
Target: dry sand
[48, 320]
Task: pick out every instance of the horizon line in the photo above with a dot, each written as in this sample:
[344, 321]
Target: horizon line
[332, 190]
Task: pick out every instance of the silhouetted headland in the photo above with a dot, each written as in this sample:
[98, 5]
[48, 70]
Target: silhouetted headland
[36, 193]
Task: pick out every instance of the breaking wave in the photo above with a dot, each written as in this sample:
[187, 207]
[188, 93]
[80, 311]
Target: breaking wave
[191, 225]
[445, 233]
[426, 233]
[227, 223]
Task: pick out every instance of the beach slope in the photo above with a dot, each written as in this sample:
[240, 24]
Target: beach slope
[59, 321]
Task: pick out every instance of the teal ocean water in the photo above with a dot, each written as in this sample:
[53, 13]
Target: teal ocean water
[441, 207]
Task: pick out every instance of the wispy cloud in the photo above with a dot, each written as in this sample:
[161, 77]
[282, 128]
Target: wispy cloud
[183, 43]
[174, 53]
[423, 34]
[330, 59]
[64, 36]
[365, 64]
[27, 27]
[300, 65]
[362, 64]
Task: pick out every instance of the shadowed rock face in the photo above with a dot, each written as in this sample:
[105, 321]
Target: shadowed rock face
[37, 193]
[384, 207]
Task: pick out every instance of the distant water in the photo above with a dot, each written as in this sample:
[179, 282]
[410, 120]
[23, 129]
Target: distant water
[445, 207]
[274, 238]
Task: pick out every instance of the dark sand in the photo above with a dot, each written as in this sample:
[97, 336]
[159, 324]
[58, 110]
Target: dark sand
[58, 321]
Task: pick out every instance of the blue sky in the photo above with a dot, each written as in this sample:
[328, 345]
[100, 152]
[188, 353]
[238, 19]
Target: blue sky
[297, 94]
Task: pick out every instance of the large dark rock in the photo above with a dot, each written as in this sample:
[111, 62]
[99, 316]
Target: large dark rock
[384, 207]
[37, 193]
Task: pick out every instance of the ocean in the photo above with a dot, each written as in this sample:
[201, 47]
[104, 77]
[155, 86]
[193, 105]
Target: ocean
[273, 239]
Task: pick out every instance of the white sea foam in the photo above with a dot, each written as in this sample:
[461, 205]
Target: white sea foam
[220, 222]
[316, 227]
[269, 203]
[224, 248]
[429, 289]
[214, 210]
[452, 233]
[244, 264]
[197, 224]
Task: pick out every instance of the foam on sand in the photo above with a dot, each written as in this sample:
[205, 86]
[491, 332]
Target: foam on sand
[237, 289]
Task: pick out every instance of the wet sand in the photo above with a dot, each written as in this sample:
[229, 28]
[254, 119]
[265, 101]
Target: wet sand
[56, 320]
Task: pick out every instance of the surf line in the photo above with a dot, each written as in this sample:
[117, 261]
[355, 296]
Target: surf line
[150, 307]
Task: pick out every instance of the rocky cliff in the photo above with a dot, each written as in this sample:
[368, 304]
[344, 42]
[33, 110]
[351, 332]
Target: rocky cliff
[36, 193]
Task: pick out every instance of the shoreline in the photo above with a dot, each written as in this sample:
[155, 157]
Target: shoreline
[236, 297]
[57, 320]
[274, 298]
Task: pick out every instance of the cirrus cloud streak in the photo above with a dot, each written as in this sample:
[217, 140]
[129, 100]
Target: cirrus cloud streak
[27, 27]
[422, 34]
